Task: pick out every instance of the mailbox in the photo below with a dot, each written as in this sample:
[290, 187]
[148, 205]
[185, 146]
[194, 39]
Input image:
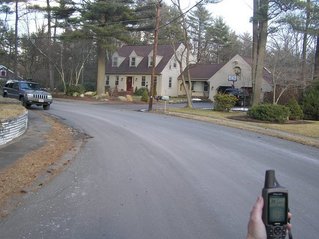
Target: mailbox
[165, 98]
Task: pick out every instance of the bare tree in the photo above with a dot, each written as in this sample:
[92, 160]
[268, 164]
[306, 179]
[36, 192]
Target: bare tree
[283, 65]
[184, 56]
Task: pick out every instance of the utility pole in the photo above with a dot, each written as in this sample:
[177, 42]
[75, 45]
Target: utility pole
[16, 41]
[158, 7]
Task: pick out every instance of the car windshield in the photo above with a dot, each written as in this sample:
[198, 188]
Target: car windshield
[30, 86]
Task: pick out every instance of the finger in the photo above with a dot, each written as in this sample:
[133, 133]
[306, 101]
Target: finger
[256, 211]
[289, 216]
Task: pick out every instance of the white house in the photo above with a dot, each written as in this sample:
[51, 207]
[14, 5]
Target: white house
[209, 79]
[130, 68]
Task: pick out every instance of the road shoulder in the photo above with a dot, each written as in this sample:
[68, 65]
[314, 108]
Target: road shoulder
[35, 158]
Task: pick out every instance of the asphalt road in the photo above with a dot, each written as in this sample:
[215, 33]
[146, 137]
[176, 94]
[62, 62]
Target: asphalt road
[151, 176]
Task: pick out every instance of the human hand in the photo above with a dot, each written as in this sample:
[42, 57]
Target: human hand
[256, 226]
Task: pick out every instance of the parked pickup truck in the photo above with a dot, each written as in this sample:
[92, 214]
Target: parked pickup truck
[29, 93]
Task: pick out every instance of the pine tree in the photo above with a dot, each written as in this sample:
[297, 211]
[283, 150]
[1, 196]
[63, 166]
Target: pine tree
[106, 21]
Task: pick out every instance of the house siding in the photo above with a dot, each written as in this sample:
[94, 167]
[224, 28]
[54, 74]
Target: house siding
[243, 79]
[165, 69]
[169, 72]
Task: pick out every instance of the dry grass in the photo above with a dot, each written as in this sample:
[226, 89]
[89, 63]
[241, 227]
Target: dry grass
[10, 110]
[15, 179]
[302, 128]
[306, 128]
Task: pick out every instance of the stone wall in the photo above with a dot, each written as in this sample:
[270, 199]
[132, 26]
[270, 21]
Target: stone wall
[13, 128]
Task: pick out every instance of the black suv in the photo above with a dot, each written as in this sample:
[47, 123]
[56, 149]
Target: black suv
[29, 93]
[242, 97]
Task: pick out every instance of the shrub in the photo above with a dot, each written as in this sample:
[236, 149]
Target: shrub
[269, 112]
[75, 89]
[296, 112]
[89, 86]
[145, 96]
[140, 91]
[310, 103]
[224, 102]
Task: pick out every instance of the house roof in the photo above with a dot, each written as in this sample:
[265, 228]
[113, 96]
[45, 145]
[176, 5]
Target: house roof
[206, 71]
[166, 51]
[203, 71]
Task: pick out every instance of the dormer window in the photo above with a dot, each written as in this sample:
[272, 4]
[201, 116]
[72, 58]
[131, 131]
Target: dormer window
[133, 62]
[115, 61]
[150, 61]
[3, 73]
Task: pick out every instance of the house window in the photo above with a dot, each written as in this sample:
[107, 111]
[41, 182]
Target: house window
[174, 64]
[150, 61]
[170, 82]
[107, 82]
[143, 83]
[3, 73]
[115, 61]
[133, 61]
[117, 80]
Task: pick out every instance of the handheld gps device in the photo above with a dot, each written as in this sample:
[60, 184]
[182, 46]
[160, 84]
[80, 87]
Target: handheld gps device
[275, 211]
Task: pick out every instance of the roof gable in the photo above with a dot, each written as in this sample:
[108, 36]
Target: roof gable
[164, 55]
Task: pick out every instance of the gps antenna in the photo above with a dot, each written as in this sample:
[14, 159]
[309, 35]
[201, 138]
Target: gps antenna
[270, 179]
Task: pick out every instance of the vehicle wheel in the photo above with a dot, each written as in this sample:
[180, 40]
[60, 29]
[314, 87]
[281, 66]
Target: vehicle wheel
[22, 101]
[46, 107]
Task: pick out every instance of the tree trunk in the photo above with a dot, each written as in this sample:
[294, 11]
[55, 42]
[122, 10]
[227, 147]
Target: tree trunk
[259, 74]
[254, 47]
[16, 41]
[304, 46]
[316, 70]
[189, 91]
[51, 67]
[187, 45]
[260, 50]
[100, 81]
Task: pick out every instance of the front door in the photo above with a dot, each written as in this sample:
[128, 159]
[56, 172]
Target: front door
[129, 81]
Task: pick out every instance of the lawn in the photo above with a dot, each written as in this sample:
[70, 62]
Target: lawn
[239, 119]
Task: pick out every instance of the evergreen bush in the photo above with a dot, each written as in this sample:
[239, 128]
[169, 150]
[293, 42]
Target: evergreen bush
[89, 86]
[145, 96]
[310, 103]
[296, 112]
[75, 89]
[269, 112]
[140, 91]
[224, 102]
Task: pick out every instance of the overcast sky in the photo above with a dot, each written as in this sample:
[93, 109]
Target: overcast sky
[236, 13]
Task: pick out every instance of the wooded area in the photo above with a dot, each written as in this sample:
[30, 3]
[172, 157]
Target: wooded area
[77, 37]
